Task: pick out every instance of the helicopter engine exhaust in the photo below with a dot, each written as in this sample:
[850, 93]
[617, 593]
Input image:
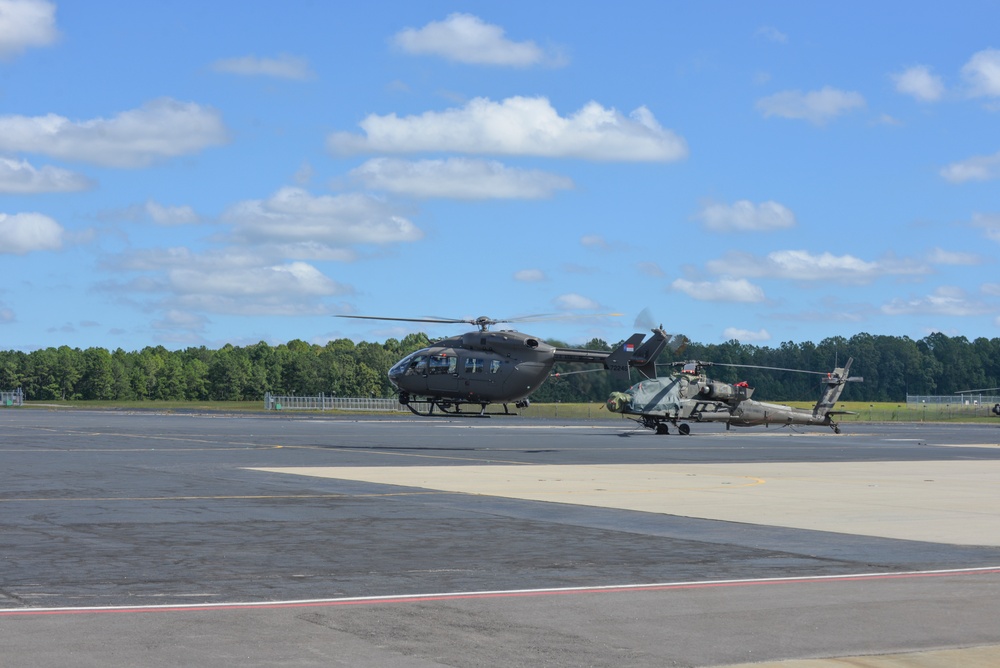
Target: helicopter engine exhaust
[717, 390]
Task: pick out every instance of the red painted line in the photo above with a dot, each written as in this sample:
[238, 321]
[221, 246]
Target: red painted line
[480, 595]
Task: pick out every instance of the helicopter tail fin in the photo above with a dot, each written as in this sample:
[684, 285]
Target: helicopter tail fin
[644, 359]
[834, 385]
[620, 358]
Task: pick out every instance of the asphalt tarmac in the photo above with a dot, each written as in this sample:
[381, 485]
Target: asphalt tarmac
[316, 540]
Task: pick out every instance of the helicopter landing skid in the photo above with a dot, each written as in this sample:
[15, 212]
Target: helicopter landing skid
[425, 408]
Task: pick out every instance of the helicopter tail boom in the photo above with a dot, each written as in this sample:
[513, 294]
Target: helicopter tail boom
[834, 383]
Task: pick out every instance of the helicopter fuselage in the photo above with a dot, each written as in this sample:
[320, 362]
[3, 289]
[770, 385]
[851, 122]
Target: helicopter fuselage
[690, 396]
[476, 367]
[487, 367]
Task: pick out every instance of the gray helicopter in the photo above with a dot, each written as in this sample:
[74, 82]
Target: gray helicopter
[490, 367]
[690, 396]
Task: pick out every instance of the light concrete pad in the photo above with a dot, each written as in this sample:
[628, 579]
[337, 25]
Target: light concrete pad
[954, 502]
[972, 657]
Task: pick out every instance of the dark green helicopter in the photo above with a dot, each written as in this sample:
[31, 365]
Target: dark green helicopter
[690, 396]
[488, 367]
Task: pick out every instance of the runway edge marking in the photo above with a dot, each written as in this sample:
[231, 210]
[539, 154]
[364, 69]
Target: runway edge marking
[508, 593]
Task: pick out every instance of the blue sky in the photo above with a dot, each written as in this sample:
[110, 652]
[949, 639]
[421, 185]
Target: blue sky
[190, 173]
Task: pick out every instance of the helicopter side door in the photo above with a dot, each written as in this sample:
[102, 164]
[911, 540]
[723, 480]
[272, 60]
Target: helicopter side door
[479, 380]
[442, 374]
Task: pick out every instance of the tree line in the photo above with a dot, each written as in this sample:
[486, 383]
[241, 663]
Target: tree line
[892, 367]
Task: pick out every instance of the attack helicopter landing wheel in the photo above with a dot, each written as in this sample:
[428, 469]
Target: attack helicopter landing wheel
[684, 429]
[662, 429]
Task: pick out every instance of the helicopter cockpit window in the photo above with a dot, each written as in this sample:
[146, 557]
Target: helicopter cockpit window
[495, 366]
[418, 366]
[442, 364]
[473, 365]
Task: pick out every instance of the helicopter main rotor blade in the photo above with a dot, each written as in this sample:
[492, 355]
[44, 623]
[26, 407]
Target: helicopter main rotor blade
[748, 366]
[377, 317]
[482, 322]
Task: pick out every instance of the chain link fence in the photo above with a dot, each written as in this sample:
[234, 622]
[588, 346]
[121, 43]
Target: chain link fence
[12, 398]
[964, 399]
[938, 407]
[323, 402]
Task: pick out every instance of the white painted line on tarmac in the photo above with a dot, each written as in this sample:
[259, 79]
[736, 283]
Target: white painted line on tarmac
[505, 593]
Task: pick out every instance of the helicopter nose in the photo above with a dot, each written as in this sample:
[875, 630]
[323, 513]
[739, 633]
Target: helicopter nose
[618, 401]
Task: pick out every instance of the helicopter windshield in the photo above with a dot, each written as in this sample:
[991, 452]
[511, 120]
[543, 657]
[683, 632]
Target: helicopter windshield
[412, 364]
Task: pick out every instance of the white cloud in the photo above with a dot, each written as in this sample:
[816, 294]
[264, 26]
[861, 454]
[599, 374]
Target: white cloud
[990, 223]
[157, 259]
[23, 233]
[304, 174]
[886, 119]
[282, 67]
[160, 129]
[20, 177]
[826, 310]
[465, 38]
[594, 241]
[174, 320]
[817, 106]
[956, 258]
[946, 300]
[26, 23]
[772, 34]
[294, 216]
[170, 215]
[744, 215]
[6, 315]
[982, 73]
[976, 168]
[918, 82]
[992, 289]
[802, 265]
[650, 269]
[723, 290]
[518, 126]
[458, 178]
[153, 211]
[573, 302]
[294, 278]
[530, 275]
[230, 282]
[745, 335]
